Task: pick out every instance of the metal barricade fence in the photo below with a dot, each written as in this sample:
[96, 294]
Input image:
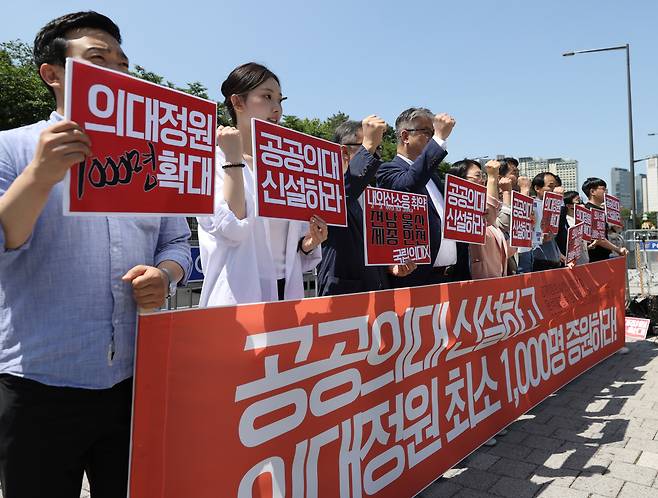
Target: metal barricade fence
[642, 262]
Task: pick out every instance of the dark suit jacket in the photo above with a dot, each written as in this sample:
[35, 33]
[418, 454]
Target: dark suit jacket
[342, 269]
[399, 175]
[562, 233]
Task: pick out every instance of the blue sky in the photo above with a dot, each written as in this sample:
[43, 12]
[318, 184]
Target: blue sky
[496, 66]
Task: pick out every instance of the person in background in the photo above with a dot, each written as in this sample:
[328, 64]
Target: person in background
[509, 181]
[343, 269]
[547, 255]
[488, 260]
[595, 189]
[571, 199]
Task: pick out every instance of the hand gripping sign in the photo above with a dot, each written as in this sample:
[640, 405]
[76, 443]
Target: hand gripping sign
[297, 175]
[465, 206]
[613, 210]
[153, 148]
[522, 220]
[396, 227]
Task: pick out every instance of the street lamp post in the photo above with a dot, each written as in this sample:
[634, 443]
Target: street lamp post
[631, 158]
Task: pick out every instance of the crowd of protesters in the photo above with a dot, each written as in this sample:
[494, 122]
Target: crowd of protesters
[251, 259]
[70, 287]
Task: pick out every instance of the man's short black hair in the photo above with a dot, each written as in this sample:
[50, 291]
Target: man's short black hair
[50, 42]
[558, 180]
[538, 180]
[592, 183]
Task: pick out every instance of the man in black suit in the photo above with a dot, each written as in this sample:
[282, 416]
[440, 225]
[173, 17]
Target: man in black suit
[421, 147]
[342, 269]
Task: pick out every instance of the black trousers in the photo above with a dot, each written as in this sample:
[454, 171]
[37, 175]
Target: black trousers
[50, 435]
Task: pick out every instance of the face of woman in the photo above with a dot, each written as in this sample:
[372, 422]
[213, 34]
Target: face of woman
[475, 174]
[263, 102]
[572, 207]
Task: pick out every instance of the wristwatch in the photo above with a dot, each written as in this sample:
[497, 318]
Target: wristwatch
[170, 278]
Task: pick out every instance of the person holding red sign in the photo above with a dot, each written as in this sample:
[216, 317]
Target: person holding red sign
[488, 260]
[571, 199]
[69, 290]
[595, 189]
[421, 147]
[245, 258]
[508, 181]
[343, 269]
[547, 255]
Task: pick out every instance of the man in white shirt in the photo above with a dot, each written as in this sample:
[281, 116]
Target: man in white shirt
[421, 147]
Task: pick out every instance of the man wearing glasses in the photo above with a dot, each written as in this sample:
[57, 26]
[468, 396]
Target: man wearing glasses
[343, 269]
[421, 138]
[599, 250]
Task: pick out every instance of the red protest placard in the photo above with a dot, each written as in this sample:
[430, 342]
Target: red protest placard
[396, 227]
[465, 205]
[522, 220]
[552, 205]
[583, 215]
[598, 224]
[574, 242]
[369, 394]
[153, 148]
[297, 175]
[636, 328]
[613, 210]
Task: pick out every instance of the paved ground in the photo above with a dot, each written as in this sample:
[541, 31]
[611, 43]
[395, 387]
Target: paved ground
[597, 436]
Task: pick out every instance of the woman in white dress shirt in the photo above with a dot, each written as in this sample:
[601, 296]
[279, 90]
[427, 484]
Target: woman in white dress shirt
[247, 259]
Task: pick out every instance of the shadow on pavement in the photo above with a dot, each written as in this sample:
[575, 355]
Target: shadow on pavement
[561, 438]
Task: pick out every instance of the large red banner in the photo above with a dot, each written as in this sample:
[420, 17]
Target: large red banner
[522, 220]
[465, 204]
[583, 215]
[552, 204]
[613, 210]
[153, 148]
[297, 175]
[372, 394]
[396, 227]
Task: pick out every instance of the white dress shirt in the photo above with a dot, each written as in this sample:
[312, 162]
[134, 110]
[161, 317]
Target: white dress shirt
[447, 254]
[237, 254]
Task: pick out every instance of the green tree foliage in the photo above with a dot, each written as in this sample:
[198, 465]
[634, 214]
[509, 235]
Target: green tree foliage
[24, 99]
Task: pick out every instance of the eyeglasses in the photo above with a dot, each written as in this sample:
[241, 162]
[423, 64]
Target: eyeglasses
[481, 175]
[428, 132]
[379, 147]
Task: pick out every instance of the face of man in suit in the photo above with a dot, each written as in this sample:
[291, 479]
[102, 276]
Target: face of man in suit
[350, 148]
[415, 138]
